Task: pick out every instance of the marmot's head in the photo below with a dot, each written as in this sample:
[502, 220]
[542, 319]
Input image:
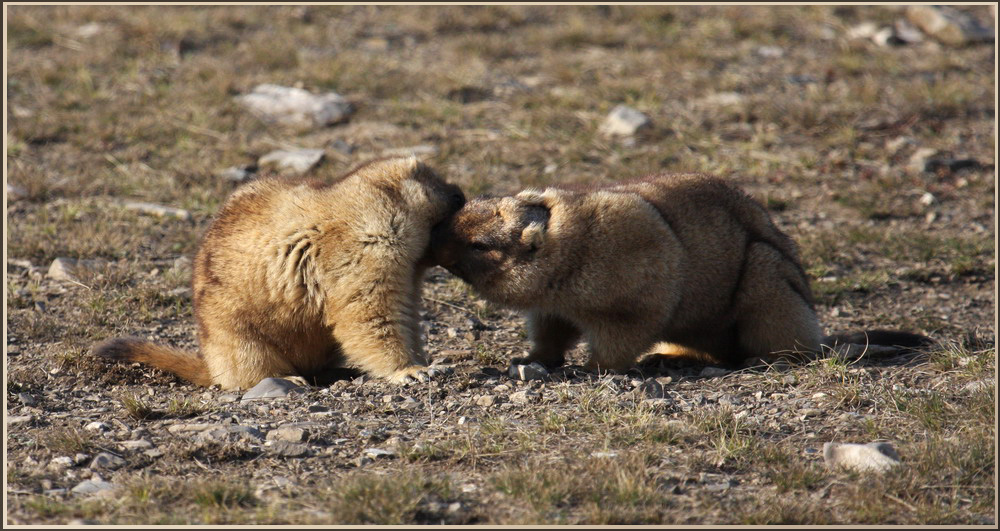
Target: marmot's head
[412, 198]
[497, 244]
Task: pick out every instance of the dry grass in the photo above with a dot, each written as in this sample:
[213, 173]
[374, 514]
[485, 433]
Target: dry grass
[512, 96]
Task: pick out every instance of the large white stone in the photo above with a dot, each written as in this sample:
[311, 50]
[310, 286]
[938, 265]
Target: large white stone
[296, 107]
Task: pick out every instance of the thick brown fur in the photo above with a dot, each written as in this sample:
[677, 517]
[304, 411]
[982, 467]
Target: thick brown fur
[686, 263]
[294, 277]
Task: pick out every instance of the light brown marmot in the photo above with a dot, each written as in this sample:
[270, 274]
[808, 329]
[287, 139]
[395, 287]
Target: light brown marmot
[294, 277]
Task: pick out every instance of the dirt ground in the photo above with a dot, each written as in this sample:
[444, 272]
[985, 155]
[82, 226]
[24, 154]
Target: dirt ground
[877, 156]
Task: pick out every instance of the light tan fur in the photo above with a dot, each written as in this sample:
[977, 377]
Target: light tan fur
[686, 261]
[295, 277]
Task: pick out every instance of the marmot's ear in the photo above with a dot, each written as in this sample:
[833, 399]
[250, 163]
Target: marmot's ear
[533, 235]
[535, 197]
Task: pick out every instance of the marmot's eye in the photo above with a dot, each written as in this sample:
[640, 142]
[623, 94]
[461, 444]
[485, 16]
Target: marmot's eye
[479, 246]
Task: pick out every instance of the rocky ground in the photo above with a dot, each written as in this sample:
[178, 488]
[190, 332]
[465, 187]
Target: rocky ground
[870, 139]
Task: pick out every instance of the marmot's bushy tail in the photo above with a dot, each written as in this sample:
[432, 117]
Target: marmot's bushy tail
[187, 365]
[885, 338]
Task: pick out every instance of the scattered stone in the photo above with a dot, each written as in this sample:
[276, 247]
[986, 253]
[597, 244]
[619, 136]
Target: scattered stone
[532, 371]
[873, 457]
[486, 400]
[70, 268]
[297, 161]
[652, 389]
[106, 461]
[525, 397]
[80, 458]
[363, 461]
[88, 30]
[231, 433]
[424, 150]
[713, 372]
[948, 24]
[379, 453]
[660, 404]
[287, 449]
[979, 385]
[141, 444]
[272, 388]
[770, 51]
[462, 421]
[182, 429]
[865, 30]
[153, 453]
[92, 486]
[27, 400]
[906, 33]
[15, 192]
[604, 455]
[721, 99]
[624, 121]
[61, 462]
[469, 94]
[296, 107]
[289, 434]
[97, 426]
[157, 210]
[238, 174]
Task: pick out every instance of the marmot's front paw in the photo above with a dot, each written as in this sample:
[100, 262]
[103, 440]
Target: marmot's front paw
[415, 373]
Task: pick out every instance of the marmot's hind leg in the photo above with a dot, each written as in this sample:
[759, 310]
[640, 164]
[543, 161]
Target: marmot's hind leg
[242, 362]
[773, 316]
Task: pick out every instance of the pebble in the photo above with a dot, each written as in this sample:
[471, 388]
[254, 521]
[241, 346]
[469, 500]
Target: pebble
[92, 486]
[423, 150]
[157, 210]
[237, 174]
[61, 462]
[486, 400]
[15, 192]
[296, 107]
[379, 453]
[532, 371]
[624, 121]
[949, 25]
[19, 419]
[979, 385]
[231, 433]
[871, 457]
[106, 461]
[272, 388]
[288, 433]
[604, 455]
[97, 426]
[27, 400]
[296, 161]
[525, 397]
[652, 389]
[713, 372]
[70, 268]
[287, 449]
[141, 444]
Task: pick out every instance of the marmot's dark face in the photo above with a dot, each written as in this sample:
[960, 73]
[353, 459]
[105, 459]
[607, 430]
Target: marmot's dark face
[491, 243]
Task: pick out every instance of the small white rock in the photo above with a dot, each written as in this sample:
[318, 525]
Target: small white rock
[97, 426]
[92, 486]
[948, 24]
[106, 461]
[69, 268]
[532, 371]
[296, 161]
[871, 457]
[296, 107]
[378, 453]
[272, 388]
[157, 210]
[624, 121]
[525, 397]
[288, 433]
